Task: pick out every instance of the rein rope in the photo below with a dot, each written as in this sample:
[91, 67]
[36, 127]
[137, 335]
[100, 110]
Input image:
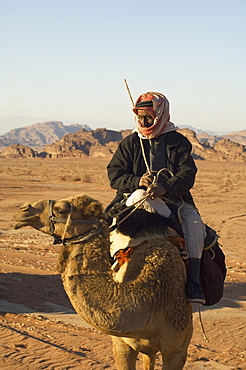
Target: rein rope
[136, 205]
[140, 202]
[156, 178]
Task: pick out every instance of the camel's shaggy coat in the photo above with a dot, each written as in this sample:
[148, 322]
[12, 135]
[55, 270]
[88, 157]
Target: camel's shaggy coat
[148, 312]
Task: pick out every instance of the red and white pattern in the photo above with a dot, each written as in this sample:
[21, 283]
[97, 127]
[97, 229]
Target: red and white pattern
[160, 113]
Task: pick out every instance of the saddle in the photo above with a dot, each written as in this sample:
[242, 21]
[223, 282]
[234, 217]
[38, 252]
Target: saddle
[213, 266]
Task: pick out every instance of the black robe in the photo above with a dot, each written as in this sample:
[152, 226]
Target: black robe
[170, 150]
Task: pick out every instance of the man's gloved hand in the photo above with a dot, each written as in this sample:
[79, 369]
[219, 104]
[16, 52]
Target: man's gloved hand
[146, 180]
[156, 190]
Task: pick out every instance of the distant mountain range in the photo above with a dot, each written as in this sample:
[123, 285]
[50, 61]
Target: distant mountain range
[40, 134]
[198, 130]
[103, 143]
[211, 137]
[46, 133]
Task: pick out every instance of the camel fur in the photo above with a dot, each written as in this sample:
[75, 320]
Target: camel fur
[148, 312]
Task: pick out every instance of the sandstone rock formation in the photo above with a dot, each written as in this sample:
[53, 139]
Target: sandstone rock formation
[19, 151]
[97, 143]
[239, 137]
[103, 143]
[223, 150]
[230, 151]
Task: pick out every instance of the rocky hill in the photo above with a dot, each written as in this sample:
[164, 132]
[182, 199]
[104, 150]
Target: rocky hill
[39, 134]
[103, 143]
[19, 151]
[96, 143]
[222, 150]
[238, 137]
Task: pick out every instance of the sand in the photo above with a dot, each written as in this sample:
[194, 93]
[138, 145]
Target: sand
[39, 328]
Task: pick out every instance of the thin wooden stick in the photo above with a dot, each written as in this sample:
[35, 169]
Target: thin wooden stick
[146, 163]
[128, 90]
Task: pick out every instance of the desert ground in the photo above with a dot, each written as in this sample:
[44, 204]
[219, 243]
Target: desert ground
[39, 328]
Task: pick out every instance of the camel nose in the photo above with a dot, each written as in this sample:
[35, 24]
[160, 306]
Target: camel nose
[23, 212]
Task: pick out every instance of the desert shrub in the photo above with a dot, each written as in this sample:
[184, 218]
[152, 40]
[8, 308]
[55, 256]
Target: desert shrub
[77, 178]
[86, 177]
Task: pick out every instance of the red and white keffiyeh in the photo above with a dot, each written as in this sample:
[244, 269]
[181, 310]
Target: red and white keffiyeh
[160, 113]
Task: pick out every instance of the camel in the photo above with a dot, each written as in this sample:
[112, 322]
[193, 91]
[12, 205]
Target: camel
[148, 311]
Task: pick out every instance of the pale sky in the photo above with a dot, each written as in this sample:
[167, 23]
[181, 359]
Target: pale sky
[66, 60]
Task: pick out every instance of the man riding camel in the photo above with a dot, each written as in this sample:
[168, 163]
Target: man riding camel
[156, 151]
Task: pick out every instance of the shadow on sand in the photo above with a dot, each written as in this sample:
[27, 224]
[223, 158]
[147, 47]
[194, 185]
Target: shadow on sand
[33, 292]
[45, 293]
[234, 297]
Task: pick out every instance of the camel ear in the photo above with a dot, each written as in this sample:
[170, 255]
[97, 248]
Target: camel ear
[94, 209]
[27, 207]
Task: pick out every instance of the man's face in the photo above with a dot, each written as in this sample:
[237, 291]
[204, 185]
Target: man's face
[144, 118]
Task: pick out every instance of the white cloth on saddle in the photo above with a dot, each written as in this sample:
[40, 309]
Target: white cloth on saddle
[120, 241]
[150, 205]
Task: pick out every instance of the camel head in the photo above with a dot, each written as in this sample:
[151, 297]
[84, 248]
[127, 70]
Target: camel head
[66, 218]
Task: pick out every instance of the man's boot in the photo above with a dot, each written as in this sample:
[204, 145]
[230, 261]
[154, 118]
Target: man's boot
[193, 286]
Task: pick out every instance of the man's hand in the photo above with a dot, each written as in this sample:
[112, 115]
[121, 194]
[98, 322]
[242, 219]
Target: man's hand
[156, 190]
[146, 180]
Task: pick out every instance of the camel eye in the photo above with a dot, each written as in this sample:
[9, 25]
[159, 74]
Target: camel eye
[62, 209]
[60, 212]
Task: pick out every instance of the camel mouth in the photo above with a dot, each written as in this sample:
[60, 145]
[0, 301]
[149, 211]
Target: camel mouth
[18, 225]
[23, 217]
[21, 221]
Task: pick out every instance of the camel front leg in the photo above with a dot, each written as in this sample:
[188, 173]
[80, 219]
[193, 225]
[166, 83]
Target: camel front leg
[125, 357]
[174, 360]
[149, 362]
